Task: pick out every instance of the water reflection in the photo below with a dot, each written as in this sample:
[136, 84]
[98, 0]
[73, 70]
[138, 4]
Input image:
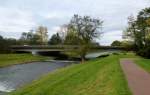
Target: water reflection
[18, 75]
[97, 54]
[5, 87]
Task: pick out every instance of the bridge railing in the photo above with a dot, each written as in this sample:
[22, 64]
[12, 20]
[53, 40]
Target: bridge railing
[44, 47]
[61, 47]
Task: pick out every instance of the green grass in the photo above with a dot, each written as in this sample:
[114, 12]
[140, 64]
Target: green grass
[144, 63]
[11, 59]
[96, 77]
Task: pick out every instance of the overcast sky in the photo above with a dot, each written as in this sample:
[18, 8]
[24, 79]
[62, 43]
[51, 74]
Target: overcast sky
[17, 16]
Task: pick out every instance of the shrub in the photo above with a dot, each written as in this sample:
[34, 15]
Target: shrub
[145, 52]
[105, 55]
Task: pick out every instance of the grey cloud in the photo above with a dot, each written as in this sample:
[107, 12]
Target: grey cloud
[53, 13]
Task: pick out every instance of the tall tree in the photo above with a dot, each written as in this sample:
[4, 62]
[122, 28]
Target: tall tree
[86, 29]
[132, 32]
[116, 43]
[30, 38]
[139, 30]
[23, 38]
[42, 33]
[5, 44]
[71, 38]
[63, 32]
[142, 24]
[55, 39]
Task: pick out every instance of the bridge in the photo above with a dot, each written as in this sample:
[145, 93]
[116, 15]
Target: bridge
[34, 49]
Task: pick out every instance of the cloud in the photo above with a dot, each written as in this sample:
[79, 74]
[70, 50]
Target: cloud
[15, 20]
[57, 15]
[108, 37]
[53, 30]
[17, 16]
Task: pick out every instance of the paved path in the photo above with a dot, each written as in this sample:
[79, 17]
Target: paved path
[138, 79]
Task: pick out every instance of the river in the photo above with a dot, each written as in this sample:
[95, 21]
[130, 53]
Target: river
[16, 76]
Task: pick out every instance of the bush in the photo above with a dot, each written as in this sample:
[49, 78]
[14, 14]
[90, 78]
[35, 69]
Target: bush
[101, 56]
[124, 52]
[145, 52]
[115, 53]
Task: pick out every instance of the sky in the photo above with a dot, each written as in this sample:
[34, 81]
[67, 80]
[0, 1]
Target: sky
[17, 16]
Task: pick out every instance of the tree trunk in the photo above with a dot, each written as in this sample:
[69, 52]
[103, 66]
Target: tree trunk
[82, 59]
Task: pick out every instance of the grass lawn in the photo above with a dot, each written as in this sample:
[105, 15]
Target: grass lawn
[144, 63]
[11, 59]
[96, 77]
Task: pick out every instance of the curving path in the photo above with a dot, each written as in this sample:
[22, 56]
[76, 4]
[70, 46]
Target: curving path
[138, 79]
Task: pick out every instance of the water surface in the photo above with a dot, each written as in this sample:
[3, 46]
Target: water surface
[15, 76]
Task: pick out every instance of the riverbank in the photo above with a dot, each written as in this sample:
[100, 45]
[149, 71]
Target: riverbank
[99, 76]
[12, 59]
[16, 76]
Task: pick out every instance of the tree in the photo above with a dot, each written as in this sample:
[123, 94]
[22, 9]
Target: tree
[35, 40]
[139, 31]
[128, 45]
[116, 43]
[30, 38]
[71, 38]
[39, 37]
[5, 44]
[2, 44]
[143, 26]
[42, 33]
[23, 38]
[55, 39]
[84, 30]
[63, 32]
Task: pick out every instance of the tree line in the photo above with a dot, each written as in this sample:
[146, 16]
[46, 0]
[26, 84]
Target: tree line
[81, 31]
[138, 32]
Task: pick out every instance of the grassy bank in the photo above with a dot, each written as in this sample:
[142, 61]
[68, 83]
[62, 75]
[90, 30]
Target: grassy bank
[96, 77]
[11, 59]
[144, 63]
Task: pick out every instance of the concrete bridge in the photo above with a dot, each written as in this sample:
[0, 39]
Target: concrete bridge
[34, 49]
[42, 48]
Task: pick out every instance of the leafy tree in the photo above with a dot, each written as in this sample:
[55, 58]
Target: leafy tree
[2, 44]
[139, 31]
[35, 40]
[23, 38]
[71, 38]
[128, 45]
[11, 41]
[5, 43]
[116, 43]
[39, 37]
[30, 38]
[63, 32]
[55, 39]
[42, 33]
[132, 34]
[84, 30]
[143, 26]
